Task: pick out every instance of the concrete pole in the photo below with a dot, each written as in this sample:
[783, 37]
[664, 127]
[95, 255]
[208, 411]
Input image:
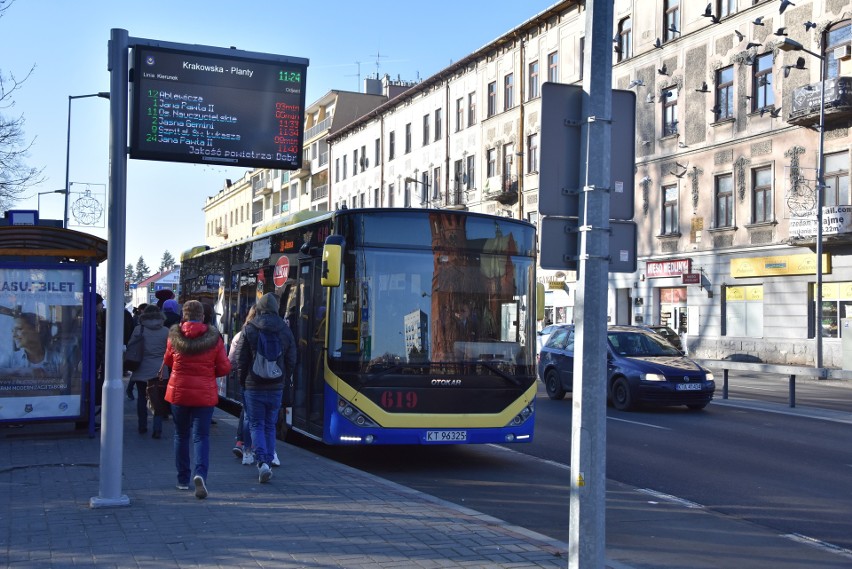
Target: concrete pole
[587, 526]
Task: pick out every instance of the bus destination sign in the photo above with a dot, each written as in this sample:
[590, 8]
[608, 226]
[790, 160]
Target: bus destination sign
[214, 108]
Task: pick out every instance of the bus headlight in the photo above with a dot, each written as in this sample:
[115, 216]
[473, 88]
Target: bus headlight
[522, 417]
[349, 411]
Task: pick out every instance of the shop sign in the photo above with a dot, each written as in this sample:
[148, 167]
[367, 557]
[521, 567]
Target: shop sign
[691, 278]
[780, 265]
[673, 268]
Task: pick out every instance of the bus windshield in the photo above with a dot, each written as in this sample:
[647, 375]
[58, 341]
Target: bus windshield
[421, 311]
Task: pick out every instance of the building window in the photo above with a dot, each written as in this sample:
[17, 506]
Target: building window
[838, 37]
[425, 130]
[408, 138]
[436, 183]
[343, 175]
[726, 7]
[533, 81]
[670, 111]
[837, 179]
[355, 162]
[471, 109]
[532, 153]
[459, 114]
[743, 308]
[725, 201]
[671, 19]
[337, 169]
[376, 198]
[458, 177]
[508, 160]
[391, 190]
[762, 94]
[553, 67]
[471, 172]
[581, 54]
[762, 194]
[492, 98]
[391, 144]
[508, 91]
[491, 163]
[406, 198]
[670, 218]
[424, 187]
[624, 49]
[439, 123]
[377, 153]
[724, 108]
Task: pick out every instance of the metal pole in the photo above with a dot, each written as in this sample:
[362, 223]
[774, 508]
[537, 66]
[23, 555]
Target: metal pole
[820, 201]
[587, 516]
[112, 410]
[67, 166]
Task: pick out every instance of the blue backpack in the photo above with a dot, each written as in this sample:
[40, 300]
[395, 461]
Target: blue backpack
[266, 357]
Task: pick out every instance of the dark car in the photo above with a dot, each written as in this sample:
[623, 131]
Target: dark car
[668, 334]
[642, 368]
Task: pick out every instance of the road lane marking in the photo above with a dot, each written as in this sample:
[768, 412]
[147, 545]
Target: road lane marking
[639, 423]
[670, 498]
[831, 548]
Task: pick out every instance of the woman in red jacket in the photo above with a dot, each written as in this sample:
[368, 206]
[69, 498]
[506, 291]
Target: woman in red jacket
[196, 355]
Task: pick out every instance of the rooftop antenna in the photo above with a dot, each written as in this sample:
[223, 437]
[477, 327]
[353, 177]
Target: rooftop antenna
[378, 62]
[358, 75]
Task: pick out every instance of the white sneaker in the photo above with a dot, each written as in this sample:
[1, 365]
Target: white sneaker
[264, 473]
[248, 456]
[275, 461]
[200, 487]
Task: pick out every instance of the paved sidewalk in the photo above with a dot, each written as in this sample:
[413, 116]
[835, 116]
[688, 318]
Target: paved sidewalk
[314, 513]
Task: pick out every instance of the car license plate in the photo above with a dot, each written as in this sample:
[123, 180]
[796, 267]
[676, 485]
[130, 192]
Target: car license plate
[446, 436]
[688, 387]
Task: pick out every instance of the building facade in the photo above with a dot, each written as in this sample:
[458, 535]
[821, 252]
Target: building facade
[726, 161]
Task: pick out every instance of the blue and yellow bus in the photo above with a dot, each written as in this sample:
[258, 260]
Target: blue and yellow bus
[414, 326]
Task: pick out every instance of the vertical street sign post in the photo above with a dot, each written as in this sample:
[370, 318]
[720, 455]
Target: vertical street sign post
[586, 204]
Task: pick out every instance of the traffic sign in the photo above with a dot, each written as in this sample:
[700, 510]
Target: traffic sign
[560, 244]
[282, 271]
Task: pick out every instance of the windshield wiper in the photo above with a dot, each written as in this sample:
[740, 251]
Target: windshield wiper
[501, 373]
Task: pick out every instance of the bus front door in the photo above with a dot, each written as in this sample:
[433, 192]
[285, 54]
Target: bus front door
[310, 338]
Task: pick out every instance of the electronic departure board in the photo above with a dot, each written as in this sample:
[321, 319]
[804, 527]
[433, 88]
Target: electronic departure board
[212, 108]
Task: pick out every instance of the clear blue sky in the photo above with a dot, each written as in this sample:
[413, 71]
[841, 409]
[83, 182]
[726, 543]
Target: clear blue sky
[66, 42]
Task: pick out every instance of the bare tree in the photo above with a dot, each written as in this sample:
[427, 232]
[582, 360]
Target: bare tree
[15, 174]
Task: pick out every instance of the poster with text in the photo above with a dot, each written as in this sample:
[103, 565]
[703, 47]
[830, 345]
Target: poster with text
[41, 343]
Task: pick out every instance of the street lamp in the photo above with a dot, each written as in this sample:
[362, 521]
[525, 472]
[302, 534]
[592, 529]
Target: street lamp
[425, 201]
[102, 95]
[791, 45]
[44, 193]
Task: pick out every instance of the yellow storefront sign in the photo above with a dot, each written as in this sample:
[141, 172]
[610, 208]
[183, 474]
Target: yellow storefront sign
[752, 293]
[782, 265]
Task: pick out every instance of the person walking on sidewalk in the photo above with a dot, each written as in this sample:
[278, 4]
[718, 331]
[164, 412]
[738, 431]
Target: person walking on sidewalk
[154, 337]
[196, 355]
[242, 448]
[262, 394]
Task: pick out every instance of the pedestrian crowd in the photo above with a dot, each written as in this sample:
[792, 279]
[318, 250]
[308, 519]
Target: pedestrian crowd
[174, 355]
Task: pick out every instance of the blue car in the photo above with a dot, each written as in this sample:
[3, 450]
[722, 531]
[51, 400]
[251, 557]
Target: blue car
[642, 368]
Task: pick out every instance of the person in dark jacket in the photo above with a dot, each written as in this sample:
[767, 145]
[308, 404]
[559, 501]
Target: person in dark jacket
[153, 336]
[171, 311]
[263, 396]
[196, 355]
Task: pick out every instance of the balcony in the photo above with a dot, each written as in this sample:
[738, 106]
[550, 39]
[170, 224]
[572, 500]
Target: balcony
[502, 189]
[456, 196]
[806, 101]
[319, 192]
[318, 128]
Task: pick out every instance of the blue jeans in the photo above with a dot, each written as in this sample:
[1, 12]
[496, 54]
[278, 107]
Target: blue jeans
[193, 421]
[243, 429]
[262, 409]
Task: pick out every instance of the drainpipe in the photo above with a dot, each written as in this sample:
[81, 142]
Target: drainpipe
[520, 153]
[446, 131]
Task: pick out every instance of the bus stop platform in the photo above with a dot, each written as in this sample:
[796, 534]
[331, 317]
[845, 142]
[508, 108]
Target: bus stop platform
[314, 513]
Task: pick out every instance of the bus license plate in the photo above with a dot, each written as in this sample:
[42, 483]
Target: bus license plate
[446, 436]
[688, 387]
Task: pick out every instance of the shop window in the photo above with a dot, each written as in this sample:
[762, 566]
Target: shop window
[743, 311]
[836, 305]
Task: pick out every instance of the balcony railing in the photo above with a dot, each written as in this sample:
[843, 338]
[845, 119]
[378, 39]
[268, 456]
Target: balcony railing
[506, 192]
[318, 128]
[319, 192]
[806, 102]
[257, 217]
[456, 195]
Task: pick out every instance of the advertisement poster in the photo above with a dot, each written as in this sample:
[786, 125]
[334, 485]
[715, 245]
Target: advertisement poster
[41, 334]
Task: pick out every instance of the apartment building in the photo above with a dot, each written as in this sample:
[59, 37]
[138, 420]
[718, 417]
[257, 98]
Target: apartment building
[727, 146]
